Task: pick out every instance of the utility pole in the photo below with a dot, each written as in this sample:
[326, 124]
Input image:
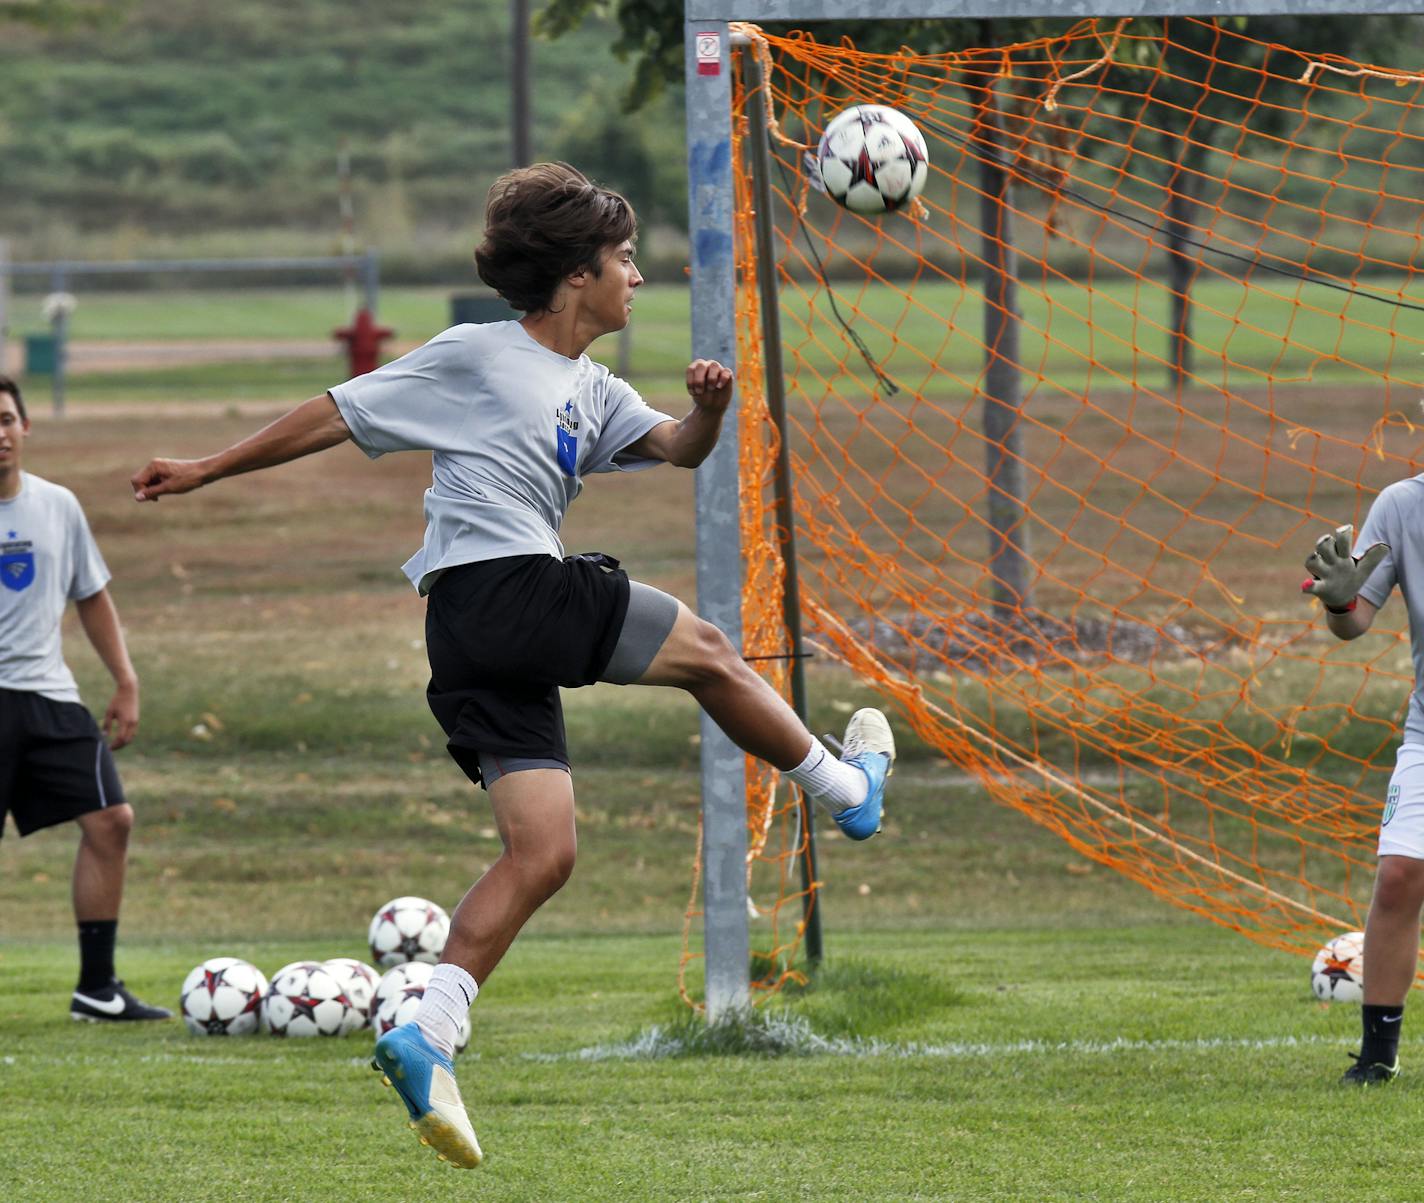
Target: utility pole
[348, 218]
[519, 81]
[4, 298]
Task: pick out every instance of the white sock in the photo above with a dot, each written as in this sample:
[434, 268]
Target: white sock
[834, 785]
[446, 1003]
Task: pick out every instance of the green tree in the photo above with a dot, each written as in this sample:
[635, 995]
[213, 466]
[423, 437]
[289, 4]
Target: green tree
[651, 32]
[56, 14]
[645, 160]
[1191, 110]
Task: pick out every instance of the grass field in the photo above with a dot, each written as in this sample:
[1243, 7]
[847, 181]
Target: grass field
[997, 1019]
[1110, 334]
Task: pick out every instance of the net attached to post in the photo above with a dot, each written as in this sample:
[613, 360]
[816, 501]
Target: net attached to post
[1172, 271]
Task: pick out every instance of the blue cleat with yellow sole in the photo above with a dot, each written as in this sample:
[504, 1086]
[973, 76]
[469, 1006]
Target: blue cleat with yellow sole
[870, 746]
[425, 1080]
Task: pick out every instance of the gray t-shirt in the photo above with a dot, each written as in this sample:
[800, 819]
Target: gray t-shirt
[514, 428]
[47, 559]
[1397, 518]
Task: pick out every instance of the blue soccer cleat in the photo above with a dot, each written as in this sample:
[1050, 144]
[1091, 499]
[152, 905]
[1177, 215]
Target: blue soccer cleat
[869, 746]
[425, 1080]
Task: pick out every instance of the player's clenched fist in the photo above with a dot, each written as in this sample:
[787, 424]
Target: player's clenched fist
[1335, 574]
[709, 384]
[162, 476]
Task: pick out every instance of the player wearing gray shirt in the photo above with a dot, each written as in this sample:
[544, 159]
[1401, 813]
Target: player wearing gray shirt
[516, 415]
[491, 402]
[1353, 583]
[54, 763]
[48, 559]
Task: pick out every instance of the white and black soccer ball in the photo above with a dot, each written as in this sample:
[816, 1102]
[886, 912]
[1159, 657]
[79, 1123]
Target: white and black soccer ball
[398, 998]
[223, 997]
[359, 981]
[872, 159]
[305, 999]
[398, 985]
[408, 929]
[1338, 972]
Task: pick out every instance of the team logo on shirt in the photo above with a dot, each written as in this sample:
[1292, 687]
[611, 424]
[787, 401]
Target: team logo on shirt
[17, 564]
[568, 426]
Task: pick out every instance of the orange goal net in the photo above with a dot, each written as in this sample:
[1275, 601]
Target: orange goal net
[1062, 434]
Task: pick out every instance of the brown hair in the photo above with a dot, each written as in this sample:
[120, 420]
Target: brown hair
[543, 223]
[7, 385]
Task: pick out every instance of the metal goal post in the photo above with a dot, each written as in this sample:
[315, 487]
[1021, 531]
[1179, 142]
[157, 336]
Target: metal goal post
[707, 65]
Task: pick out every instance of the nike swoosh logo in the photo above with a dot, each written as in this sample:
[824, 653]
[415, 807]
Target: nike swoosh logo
[1391, 1018]
[114, 1006]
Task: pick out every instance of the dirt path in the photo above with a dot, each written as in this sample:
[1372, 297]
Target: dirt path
[99, 355]
[80, 410]
[96, 356]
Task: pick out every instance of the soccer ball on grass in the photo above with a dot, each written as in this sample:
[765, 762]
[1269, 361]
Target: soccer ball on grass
[223, 997]
[359, 981]
[1338, 972]
[872, 159]
[305, 999]
[398, 998]
[408, 929]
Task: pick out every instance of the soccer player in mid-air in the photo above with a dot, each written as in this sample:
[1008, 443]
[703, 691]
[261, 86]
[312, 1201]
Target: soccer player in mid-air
[55, 766]
[1352, 584]
[517, 415]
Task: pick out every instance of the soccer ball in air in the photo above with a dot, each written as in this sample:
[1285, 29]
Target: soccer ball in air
[305, 999]
[398, 998]
[1338, 971]
[359, 981]
[223, 997]
[408, 929]
[872, 159]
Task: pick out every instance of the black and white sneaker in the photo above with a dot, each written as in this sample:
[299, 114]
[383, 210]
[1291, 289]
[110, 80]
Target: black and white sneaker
[1374, 1073]
[112, 1003]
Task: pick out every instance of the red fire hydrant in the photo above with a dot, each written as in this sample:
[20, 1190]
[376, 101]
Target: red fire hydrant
[363, 339]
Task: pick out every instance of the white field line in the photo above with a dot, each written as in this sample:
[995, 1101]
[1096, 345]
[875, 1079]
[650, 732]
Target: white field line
[656, 1044]
[193, 1058]
[794, 1040]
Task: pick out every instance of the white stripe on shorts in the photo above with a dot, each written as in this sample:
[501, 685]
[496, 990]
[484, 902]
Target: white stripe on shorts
[98, 774]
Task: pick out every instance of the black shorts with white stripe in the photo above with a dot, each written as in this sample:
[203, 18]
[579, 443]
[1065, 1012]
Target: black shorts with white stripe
[54, 763]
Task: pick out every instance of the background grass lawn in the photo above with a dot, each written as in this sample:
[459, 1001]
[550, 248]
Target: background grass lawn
[1110, 335]
[997, 1018]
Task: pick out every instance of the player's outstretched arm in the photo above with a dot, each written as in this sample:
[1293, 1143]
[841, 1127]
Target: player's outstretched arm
[1336, 578]
[688, 442]
[313, 426]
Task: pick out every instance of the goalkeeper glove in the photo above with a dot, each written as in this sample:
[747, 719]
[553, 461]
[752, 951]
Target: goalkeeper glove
[1335, 575]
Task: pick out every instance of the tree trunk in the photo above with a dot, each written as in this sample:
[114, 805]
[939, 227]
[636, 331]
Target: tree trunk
[1003, 381]
[1182, 191]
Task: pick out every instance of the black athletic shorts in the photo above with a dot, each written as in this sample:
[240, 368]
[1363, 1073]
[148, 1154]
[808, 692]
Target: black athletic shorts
[502, 637]
[54, 763]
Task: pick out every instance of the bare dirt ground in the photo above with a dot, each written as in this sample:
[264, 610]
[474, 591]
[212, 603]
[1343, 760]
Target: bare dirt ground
[307, 533]
[124, 354]
[1215, 503]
